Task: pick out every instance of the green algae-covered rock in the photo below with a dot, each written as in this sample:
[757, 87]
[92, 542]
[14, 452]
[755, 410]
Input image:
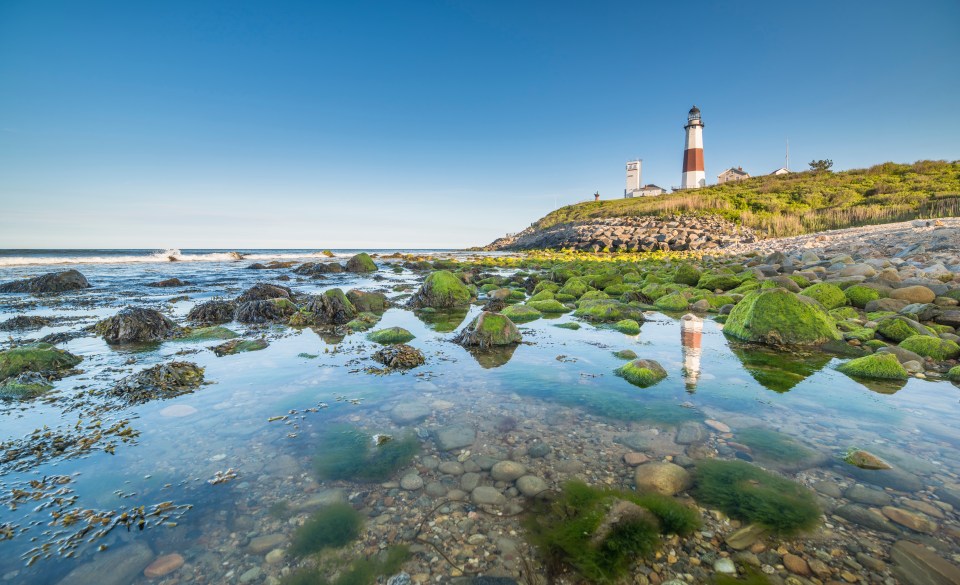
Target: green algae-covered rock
[608, 311]
[390, 335]
[687, 274]
[362, 262]
[643, 373]
[592, 295]
[159, 382]
[718, 281]
[672, 302]
[441, 290]
[829, 295]
[361, 322]
[572, 325]
[860, 295]
[780, 317]
[488, 330]
[368, 302]
[400, 356]
[544, 295]
[931, 347]
[899, 328]
[26, 385]
[626, 354]
[207, 334]
[37, 357]
[136, 325]
[841, 313]
[628, 326]
[546, 286]
[240, 346]
[954, 374]
[881, 366]
[549, 306]
[522, 313]
[575, 287]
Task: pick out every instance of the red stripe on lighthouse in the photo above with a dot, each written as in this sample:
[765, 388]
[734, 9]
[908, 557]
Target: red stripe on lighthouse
[693, 160]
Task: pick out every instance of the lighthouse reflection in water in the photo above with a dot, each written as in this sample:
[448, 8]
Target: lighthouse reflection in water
[691, 336]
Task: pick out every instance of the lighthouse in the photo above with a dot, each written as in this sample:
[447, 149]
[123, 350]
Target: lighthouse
[694, 176]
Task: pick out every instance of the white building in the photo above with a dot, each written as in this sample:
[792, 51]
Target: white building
[781, 171]
[732, 174]
[650, 191]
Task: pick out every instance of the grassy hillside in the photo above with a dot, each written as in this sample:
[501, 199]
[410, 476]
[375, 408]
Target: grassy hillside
[802, 202]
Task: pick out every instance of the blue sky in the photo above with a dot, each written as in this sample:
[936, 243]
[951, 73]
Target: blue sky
[432, 123]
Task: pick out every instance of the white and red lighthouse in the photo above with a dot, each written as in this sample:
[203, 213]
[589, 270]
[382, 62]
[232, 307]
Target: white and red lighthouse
[694, 176]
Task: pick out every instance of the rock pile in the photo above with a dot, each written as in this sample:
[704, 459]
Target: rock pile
[631, 234]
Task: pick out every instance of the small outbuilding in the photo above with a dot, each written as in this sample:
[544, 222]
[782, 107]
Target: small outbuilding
[732, 174]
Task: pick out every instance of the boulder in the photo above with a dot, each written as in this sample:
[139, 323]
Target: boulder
[136, 325]
[40, 358]
[318, 269]
[263, 292]
[778, 317]
[213, 312]
[119, 566]
[53, 282]
[265, 311]
[915, 564]
[829, 295]
[642, 372]
[667, 479]
[400, 356]
[331, 308]
[487, 330]
[880, 366]
[24, 322]
[507, 471]
[161, 381]
[362, 262]
[865, 460]
[608, 311]
[390, 335]
[368, 302]
[168, 283]
[913, 294]
[441, 289]
[931, 347]
[239, 346]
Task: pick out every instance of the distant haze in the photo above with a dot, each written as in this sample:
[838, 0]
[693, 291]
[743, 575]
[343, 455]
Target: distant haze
[432, 124]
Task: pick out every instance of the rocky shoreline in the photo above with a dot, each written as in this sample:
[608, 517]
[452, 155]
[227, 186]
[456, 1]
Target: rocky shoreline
[631, 234]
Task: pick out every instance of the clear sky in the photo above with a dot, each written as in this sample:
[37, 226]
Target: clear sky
[437, 122]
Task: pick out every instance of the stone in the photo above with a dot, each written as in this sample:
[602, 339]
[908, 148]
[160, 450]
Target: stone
[487, 496]
[914, 564]
[531, 486]
[455, 437]
[178, 410]
[633, 459]
[796, 565]
[864, 517]
[411, 482]
[725, 565]
[642, 372]
[488, 330]
[407, 413]
[275, 556]
[776, 316]
[361, 263]
[213, 312]
[745, 537]
[717, 426]
[159, 382]
[441, 289]
[507, 471]
[913, 294]
[690, 432]
[865, 460]
[136, 325]
[451, 468]
[915, 522]
[120, 566]
[54, 282]
[163, 566]
[251, 575]
[663, 478]
[265, 543]
[400, 356]
[469, 481]
[869, 496]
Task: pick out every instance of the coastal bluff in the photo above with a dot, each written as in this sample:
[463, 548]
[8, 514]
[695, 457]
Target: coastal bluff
[630, 234]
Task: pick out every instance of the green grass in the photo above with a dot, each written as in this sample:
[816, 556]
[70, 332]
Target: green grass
[802, 202]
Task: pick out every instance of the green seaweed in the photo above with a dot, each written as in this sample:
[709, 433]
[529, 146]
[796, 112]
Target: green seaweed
[572, 325]
[390, 335]
[931, 347]
[829, 295]
[548, 306]
[780, 317]
[747, 493]
[331, 527]
[672, 302]
[877, 366]
[348, 453]
[521, 313]
[643, 373]
[859, 295]
[627, 326]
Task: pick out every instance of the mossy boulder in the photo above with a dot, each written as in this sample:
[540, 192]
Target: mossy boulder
[545, 286]
[931, 347]
[213, 312]
[266, 311]
[136, 325]
[54, 282]
[954, 374]
[896, 328]
[330, 308]
[859, 295]
[718, 281]
[159, 382]
[687, 274]
[881, 366]
[575, 287]
[522, 313]
[572, 325]
[829, 295]
[780, 317]
[25, 386]
[672, 302]
[41, 358]
[842, 313]
[592, 295]
[627, 326]
[368, 302]
[747, 493]
[549, 306]
[626, 354]
[235, 346]
[608, 311]
[214, 333]
[362, 322]
[361, 262]
[544, 295]
[263, 292]
[390, 335]
[643, 373]
[441, 289]
[488, 330]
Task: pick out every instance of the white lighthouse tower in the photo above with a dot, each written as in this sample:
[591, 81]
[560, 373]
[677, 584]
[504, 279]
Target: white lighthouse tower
[694, 176]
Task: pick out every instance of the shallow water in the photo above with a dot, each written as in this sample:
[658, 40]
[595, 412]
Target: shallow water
[565, 376]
